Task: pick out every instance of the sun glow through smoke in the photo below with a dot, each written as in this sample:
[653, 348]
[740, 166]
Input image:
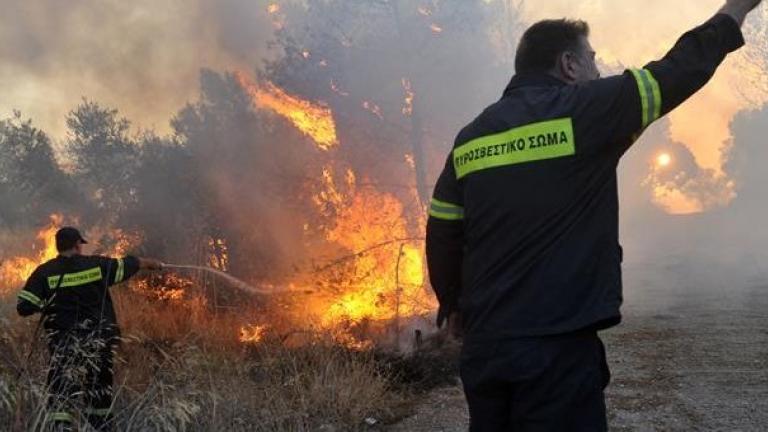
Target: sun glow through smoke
[664, 160]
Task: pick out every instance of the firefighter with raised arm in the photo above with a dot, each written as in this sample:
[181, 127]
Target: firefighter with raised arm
[71, 292]
[523, 233]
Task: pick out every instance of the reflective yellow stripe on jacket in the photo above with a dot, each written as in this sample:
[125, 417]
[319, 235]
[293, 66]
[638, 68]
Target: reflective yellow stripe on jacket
[533, 142]
[75, 279]
[650, 95]
[30, 297]
[446, 211]
[120, 270]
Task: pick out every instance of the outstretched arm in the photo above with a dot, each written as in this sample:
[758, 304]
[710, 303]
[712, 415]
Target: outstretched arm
[739, 9]
[122, 269]
[629, 103]
[150, 264]
[692, 62]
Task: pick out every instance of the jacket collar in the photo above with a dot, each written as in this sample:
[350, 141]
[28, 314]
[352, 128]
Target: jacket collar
[532, 80]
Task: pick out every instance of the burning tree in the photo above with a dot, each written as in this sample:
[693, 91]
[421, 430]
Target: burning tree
[391, 78]
[374, 64]
[252, 178]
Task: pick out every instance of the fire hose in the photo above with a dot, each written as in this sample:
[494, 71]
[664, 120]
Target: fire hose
[235, 282]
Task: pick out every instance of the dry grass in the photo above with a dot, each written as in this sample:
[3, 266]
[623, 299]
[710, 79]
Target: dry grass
[181, 368]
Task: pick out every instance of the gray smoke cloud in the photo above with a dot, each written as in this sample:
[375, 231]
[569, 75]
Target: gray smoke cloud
[141, 56]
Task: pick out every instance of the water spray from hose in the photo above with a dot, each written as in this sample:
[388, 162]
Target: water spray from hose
[235, 282]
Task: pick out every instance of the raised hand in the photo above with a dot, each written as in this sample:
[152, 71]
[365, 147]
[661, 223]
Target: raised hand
[739, 9]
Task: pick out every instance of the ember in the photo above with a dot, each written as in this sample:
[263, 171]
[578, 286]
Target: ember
[252, 334]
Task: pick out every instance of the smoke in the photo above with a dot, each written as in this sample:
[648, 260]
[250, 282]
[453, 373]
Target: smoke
[141, 56]
[680, 186]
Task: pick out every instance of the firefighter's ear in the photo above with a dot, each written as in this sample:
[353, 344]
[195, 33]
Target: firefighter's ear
[568, 67]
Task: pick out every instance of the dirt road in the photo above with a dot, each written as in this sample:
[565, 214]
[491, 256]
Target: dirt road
[688, 357]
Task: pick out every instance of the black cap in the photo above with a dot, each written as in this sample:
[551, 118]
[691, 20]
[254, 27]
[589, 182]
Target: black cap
[67, 238]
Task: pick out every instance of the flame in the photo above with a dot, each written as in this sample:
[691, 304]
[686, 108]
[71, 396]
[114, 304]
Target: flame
[17, 269]
[278, 21]
[409, 96]
[252, 334]
[329, 196]
[373, 108]
[125, 242]
[376, 274]
[218, 255]
[314, 120]
[168, 287]
[386, 278]
[410, 161]
[336, 89]
[380, 277]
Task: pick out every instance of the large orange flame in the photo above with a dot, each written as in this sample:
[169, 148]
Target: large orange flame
[387, 280]
[314, 120]
[16, 270]
[382, 279]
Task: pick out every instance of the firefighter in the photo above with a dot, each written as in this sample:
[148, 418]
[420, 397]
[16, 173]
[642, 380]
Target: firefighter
[71, 294]
[522, 238]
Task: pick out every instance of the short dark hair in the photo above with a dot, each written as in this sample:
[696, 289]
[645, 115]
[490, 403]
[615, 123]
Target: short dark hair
[545, 41]
[64, 245]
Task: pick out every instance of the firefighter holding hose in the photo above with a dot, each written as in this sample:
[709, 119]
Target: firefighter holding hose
[71, 292]
[523, 233]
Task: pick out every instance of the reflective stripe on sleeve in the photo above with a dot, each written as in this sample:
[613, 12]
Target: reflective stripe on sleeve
[120, 270]
[650, 95]
[30, 297]
[446, 211]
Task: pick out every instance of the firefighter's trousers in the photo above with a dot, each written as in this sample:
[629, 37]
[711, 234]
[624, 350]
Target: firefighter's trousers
[80, 377]
[538, 384]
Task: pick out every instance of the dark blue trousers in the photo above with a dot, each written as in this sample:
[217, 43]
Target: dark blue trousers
[543, 384]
